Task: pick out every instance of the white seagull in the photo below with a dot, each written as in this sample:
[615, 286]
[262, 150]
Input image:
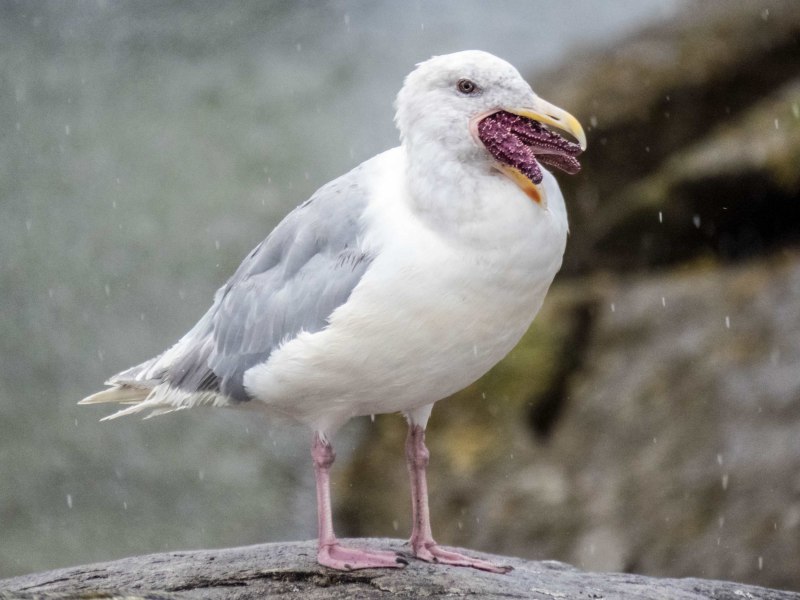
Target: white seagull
[392, 287]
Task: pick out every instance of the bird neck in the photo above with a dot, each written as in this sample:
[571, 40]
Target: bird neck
[444, 189]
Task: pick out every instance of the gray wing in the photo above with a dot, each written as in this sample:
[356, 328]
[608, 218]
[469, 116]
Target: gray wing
[291, 282]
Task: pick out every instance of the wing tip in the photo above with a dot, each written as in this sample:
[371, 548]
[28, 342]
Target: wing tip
[117, 395]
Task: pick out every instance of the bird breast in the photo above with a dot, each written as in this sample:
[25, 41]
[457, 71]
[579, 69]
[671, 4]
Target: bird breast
[434, 312]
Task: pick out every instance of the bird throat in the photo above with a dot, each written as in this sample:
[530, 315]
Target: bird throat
[530, 188]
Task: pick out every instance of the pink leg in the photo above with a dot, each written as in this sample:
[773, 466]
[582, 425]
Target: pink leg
[422, 543]
[330, 553]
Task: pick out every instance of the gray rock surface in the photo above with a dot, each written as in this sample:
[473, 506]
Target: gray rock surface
[288, 571]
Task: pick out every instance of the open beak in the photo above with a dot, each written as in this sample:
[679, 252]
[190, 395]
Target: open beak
[548, 114]
[551, 115]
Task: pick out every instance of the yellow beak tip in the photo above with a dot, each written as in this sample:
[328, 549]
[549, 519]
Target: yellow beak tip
[554, 116]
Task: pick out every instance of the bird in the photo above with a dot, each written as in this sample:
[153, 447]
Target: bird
[391, 287]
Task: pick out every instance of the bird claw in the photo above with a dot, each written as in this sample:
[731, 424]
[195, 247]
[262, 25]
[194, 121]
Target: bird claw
[434, 553]
[336, 556]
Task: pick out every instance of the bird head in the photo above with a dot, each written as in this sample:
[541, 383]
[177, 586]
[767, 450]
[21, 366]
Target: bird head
[481, 110]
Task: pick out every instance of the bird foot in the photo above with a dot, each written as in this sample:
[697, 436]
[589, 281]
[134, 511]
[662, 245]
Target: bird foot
[434, 553]
[341, 558]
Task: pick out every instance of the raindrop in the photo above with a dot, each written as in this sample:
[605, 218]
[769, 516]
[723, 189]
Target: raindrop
[725, 481]
[460, 525]
[69, 500]
[28, 224]
[760, 563]
[696, 221]
[66, 129]
[107, 290]
[765, 14]
[721, 522]
[299, 47]
[613, 307]
[775, 356]
[593, 120]
[51, 292]
[719, 459]
[216, 244]
[395, 525]
[777, 124]
[372, 417]
[347, 21]
[18, 125]
[727, 322]
[660, 217]
[76, 422]
[796, 110]
[201, 474]
[663, 302]
[124, 505]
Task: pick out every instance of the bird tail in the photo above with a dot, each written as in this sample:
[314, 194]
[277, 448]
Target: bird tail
[159, 400]
[122, 394]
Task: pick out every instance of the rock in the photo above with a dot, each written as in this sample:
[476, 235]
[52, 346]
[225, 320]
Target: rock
[678, 451]
[288, 570]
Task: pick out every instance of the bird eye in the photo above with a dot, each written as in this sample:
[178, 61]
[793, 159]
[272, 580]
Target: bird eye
[465, 86]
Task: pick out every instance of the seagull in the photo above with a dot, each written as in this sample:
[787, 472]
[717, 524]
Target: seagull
[391, 287]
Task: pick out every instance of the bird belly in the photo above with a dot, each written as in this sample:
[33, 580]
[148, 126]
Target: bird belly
[426, 320]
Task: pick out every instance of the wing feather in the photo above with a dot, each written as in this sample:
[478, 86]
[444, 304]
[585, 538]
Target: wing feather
[291, 282]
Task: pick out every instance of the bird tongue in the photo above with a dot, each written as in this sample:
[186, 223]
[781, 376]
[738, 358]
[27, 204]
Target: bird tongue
[519, 142]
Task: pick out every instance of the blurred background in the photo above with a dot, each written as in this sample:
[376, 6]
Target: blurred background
[649, 421]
